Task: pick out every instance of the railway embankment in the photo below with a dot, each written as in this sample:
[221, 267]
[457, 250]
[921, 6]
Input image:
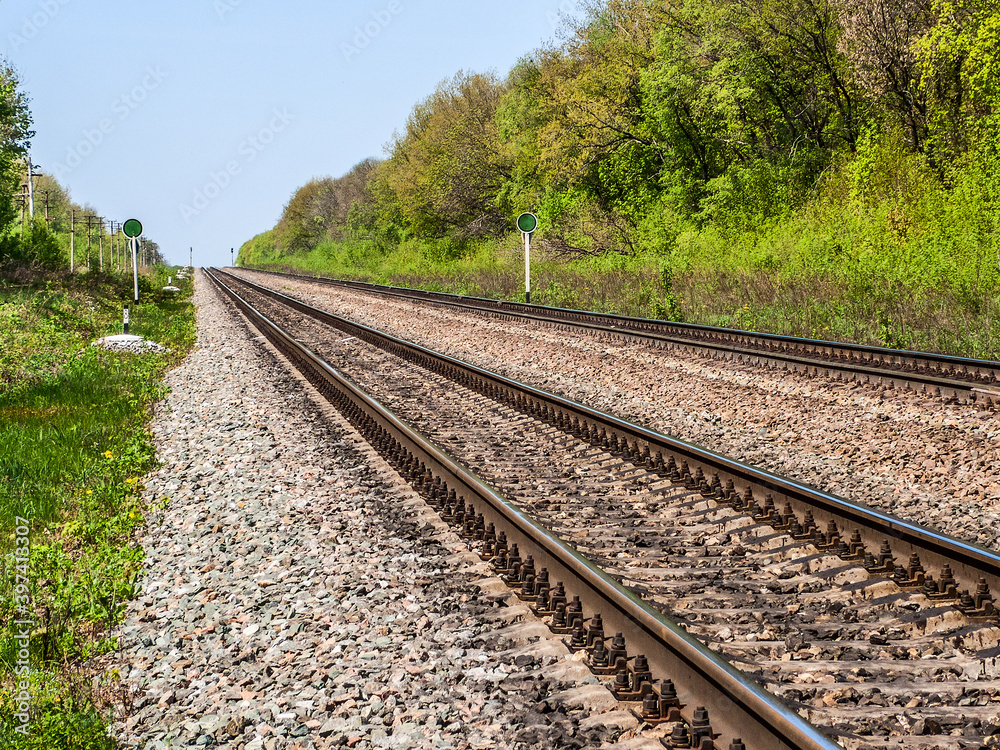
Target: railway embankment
[296, 596]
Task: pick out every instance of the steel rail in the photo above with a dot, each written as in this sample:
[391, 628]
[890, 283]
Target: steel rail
[761, 493]
[739, 707]
[967, 379]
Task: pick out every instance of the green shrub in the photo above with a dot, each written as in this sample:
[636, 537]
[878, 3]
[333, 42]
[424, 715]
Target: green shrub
[35, 246]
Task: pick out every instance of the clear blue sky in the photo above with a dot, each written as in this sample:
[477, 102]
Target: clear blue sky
[201, 117]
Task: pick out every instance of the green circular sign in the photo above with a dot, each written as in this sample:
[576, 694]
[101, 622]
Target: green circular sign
[527, 223]
[132, 228]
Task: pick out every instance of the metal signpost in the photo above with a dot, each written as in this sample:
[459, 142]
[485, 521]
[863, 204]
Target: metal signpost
[527, 223]
[133, 229]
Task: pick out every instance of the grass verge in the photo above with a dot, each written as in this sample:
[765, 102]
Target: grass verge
[74, 446]
[706, 280]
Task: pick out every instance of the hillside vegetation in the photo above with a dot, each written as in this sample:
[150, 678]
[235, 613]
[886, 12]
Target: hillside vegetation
[817, 167]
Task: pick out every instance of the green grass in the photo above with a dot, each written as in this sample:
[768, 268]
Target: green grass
[710, 287]
[74, 446]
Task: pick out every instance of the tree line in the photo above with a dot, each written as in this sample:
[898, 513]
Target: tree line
[649, 116]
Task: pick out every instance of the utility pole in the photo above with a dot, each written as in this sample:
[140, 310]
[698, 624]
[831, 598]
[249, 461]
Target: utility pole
[113, 231]
[72, 240]
[100, 242]
[90, 222]
[47, 200]
[116, 241]
[31, 194]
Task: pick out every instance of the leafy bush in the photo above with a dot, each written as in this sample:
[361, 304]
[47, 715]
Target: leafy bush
[34, 246]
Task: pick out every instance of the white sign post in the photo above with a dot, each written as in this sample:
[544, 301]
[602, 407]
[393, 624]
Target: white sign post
[133, 229]
[527, 223]
[133, 245]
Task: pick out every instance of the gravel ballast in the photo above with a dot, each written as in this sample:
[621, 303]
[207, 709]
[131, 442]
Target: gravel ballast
[904, 453]
[297, 596]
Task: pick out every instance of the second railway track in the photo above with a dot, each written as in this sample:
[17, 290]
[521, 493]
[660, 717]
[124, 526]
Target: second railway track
[957, 379]
[877, 649]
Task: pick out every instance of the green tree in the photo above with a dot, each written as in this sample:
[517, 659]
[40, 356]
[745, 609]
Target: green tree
[334, 203]
[37, 246]
[447, 169]
[576, 127]
[592, 93]
[53, 200]
[960, 75]
[300, 227]
[772, 73]
[15, 135]
[880, 37]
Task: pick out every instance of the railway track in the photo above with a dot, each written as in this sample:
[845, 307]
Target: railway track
[953, 379]
[820, 600]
